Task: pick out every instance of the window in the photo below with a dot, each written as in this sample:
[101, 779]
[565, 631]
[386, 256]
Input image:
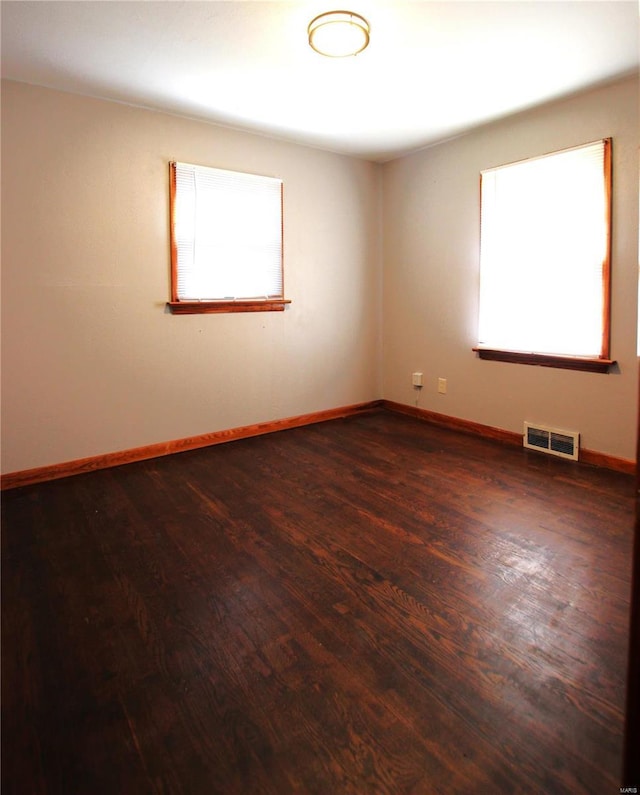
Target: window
[226, 241]
[545, 260]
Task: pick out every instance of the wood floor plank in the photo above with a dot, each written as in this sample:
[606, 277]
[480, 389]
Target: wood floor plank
[367, 605]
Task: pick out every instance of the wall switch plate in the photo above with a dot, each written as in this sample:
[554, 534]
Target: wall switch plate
[442, 386]
[416, 379]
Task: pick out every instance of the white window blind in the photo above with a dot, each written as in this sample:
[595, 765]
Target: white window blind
[544, 258]
[227, 235]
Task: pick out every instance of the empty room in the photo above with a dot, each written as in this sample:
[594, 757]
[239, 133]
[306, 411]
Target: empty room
[319, 396]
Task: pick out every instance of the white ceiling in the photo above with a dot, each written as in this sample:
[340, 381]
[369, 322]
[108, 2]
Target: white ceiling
[431, 71]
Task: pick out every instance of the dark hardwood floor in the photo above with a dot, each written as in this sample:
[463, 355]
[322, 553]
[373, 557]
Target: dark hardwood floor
[369, 605]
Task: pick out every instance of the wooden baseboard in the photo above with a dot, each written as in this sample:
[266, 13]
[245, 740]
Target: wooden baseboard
[28, 477]
[508, 437]
[597, 459]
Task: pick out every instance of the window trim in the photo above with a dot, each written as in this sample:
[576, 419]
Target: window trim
[584, 363]
[217, 306]
[603, 362]
[179, 306]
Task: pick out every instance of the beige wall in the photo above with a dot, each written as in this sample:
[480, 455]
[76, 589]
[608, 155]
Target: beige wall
[430, 282]
[91, 361]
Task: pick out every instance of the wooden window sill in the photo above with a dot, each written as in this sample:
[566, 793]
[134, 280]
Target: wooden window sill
[210, 307]
[584, 363]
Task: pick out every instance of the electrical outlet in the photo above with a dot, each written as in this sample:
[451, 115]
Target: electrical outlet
[442, 386]
[416, 379]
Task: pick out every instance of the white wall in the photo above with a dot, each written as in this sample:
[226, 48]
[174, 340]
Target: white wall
[91, 361]
[430, 282]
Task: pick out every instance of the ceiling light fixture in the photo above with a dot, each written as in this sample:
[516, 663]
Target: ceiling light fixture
[338, 34]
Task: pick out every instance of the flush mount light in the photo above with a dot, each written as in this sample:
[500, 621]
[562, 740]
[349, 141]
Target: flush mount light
[338, 34]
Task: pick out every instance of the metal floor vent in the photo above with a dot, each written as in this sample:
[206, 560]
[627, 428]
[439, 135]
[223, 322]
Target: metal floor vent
[565, 444]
